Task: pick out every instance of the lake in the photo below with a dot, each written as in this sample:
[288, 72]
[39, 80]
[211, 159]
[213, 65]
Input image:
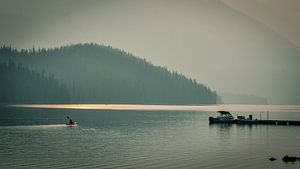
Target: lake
[137, 138]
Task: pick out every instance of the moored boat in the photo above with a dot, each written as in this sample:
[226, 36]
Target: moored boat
[222, 117]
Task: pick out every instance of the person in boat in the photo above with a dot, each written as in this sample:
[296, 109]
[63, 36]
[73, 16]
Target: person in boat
[70, 121]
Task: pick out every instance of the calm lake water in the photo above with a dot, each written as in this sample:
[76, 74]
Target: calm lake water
[38, 138]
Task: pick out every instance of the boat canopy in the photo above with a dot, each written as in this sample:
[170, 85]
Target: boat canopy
[224, 115]
[224, 112]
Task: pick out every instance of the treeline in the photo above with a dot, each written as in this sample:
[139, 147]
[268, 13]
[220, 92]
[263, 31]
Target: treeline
[95, 73]
[21, 85]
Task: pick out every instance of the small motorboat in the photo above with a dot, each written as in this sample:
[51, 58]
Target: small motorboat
[222, 117]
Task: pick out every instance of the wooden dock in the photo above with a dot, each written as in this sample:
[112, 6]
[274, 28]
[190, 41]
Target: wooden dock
[269, 122]
[226, 117]
[260, 122]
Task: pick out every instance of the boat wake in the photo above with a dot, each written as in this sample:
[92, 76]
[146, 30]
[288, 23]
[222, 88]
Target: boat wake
[36, 126]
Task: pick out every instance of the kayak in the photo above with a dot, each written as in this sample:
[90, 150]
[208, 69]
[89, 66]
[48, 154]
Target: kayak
[71, 125]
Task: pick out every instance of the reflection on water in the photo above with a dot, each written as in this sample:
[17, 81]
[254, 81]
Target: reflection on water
[38, 138]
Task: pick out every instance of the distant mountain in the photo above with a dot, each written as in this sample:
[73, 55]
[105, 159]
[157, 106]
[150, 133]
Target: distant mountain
[101, 74]
[230, 98]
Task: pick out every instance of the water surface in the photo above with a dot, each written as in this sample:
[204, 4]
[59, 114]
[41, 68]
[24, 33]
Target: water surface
[38, 138]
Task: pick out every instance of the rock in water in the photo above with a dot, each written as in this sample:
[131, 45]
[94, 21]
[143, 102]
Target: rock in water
[272, 159]
[286, 158]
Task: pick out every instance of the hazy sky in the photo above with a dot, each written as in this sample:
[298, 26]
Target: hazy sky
[282, 16]
[230, 46]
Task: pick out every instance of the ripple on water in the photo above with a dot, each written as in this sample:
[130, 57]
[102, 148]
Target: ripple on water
[146, 140]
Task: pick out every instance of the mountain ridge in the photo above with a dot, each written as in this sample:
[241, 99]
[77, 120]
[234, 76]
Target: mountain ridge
[102, 74]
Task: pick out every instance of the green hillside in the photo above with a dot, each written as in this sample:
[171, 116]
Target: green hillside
[20, 85]
[101, 74]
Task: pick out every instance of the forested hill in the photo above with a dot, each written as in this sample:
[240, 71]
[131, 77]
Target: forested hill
[20, 85]
[101, 74]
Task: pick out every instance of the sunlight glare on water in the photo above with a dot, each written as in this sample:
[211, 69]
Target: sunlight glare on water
[227, 107]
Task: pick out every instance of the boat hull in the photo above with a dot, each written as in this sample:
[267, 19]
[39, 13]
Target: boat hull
[217, 120]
